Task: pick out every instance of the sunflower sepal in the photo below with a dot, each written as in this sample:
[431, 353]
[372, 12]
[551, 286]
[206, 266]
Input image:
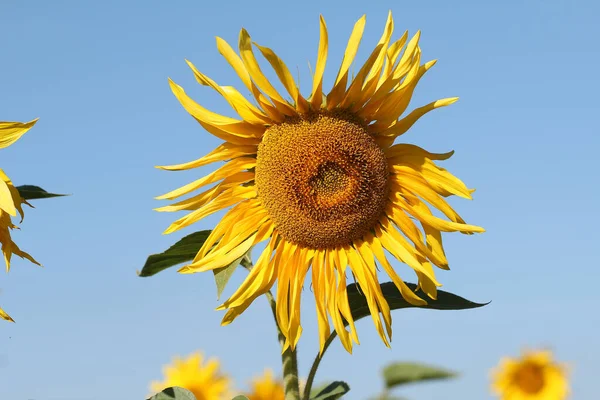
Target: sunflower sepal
[174, 393]
[222, 275]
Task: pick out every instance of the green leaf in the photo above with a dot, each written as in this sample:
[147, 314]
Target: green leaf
[401, 373]
[174, 393]
[222, 275]
[182, 251]
[240, 397]
[333, 391]
[445, 300]
[31, 192]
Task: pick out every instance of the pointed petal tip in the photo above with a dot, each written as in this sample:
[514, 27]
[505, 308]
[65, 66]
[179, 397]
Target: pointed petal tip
[168, 231]
[185, 269]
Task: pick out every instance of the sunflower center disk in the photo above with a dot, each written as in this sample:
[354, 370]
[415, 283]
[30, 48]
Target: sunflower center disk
[530, 378]
[322, 178]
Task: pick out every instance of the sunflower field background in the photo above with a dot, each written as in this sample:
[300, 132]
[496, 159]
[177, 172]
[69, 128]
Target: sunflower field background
[95, 74]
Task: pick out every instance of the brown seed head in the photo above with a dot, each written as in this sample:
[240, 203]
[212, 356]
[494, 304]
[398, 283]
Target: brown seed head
[322, 178]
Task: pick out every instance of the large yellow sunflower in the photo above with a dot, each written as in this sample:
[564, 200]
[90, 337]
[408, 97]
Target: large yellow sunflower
[267, 387]
[10, 201]
[535, 376]
[203, 379]
[320, 180]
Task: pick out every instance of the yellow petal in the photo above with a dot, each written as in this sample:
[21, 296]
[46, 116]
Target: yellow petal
[285, 77]
[317, 88]
[259, 280]
[16, 250]
[395, 243]
[382, 94]
[302, 265]
[421, 189]
[218, 204]
[5, 316]
[370, 70]
[236, 165]
[336, 94]
[341, 262]
[238, 65]
[321, 292]
[203, 198]
[368, 289]
[412, 232]
[210, 263]
[236, 100]
[397, 101]
[401, 151]
[351, 48]
[223, 152]
[407, 122]
[214, 241]
[391, 55]
[435, 176]
[14, 193]
[245, 45]
[366, 86]
[420, 211]
[286, 252]
[333, 298]
[6, 201]
[225, 128]
[253, 217]
[10, 132]
[407, 294]
[369, 261]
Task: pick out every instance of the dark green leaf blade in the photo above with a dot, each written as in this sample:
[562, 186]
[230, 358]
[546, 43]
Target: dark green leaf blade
[333, 391]
[182, 251]
[174, 393]
[32, 192]
[445, 300]
[401, 373]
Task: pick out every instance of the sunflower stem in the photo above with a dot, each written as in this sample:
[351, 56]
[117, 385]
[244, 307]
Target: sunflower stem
[315, 366]
[289, 359]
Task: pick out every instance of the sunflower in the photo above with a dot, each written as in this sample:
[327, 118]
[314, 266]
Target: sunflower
[320, 180]
[267, 387]
[535, 376]
[204, 380]
[10, 200]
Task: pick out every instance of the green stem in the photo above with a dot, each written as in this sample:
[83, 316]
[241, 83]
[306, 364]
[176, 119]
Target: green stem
[313, 369]
[288, 360]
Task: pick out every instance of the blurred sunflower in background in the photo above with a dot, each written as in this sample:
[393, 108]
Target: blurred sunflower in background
[320, 180]
[10, 200]
[534, 376]
[267, 387]
[203, 378]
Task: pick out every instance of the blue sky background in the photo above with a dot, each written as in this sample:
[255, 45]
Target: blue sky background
[95, 73]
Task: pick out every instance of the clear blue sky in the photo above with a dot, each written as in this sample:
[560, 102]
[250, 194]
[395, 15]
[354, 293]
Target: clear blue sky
[95, 73]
